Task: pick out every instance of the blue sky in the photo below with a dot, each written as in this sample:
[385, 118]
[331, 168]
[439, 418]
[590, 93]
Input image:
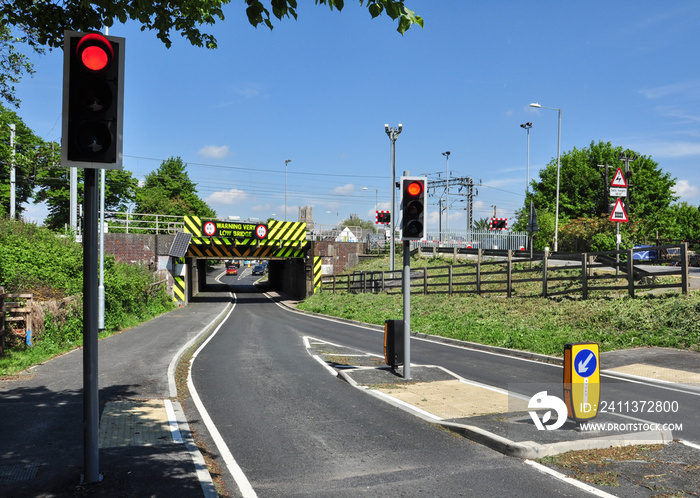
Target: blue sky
[319, 90]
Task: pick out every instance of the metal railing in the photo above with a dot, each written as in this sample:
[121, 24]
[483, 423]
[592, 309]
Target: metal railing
[143, 223]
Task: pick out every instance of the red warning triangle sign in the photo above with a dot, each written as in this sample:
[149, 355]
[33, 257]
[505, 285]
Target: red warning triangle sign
[618, 213]
[619, 179]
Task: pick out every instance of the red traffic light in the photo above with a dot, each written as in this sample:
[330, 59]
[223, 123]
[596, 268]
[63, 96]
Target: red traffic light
[93, 95]
[94, 51]
[414, 189]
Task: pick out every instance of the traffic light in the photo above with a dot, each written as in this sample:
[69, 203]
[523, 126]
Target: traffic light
[498, 224]
[383, 218]
[413, 191]
[93, 98]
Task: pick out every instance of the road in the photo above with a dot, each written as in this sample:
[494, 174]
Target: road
[295, 430]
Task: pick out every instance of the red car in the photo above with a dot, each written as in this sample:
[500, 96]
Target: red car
[231, 270]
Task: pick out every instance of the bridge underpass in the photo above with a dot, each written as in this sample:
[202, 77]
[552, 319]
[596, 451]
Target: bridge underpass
[293, 269]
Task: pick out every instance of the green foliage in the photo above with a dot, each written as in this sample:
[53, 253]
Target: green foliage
[33, 258]
[534, 324]
[357, 222]
[28, 148]
[127, 296]
[53, 183]
[43, 23]
[169, 190]
[582, 189]
[13, 63]
[258, 14]
[538, 325]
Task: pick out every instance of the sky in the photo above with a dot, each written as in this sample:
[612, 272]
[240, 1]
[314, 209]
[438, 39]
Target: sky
[318, 91]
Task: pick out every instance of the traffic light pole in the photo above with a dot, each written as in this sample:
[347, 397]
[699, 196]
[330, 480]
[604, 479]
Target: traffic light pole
[91, 416]
[406, 309]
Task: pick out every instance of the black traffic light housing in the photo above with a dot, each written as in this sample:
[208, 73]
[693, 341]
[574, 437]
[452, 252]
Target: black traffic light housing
[498, 224]
[383, 218]
[93, 100]
[413, 207]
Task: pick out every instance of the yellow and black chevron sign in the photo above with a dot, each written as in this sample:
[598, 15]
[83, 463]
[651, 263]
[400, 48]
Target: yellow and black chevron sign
[286, 230]
[284, 250]
[193, 225]
[179, 285]
[317, 273]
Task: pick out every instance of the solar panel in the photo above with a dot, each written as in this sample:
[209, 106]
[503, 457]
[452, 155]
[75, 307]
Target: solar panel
[179, 247]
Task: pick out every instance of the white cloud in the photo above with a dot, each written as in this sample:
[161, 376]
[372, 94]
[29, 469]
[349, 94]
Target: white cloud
[228, 197]
[673, 149]
[346, 189]
[684, 189]
[686, 88]
[214, 151]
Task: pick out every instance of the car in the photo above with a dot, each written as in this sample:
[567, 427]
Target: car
[258, 270]
[231, 270]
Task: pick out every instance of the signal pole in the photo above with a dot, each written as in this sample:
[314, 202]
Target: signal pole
[13, 182]
[393, 134]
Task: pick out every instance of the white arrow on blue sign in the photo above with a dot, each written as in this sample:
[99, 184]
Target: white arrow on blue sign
[585, 363]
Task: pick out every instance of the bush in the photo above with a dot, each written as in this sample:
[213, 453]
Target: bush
[35, 260]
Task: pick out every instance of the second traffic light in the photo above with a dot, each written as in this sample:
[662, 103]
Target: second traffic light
[413, 207]
[93, 90]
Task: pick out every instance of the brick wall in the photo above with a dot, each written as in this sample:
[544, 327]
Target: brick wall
[137, 248]
[339, 255]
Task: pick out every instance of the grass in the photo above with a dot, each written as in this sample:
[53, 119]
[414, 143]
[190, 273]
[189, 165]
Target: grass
[19, 358]
[534, 324]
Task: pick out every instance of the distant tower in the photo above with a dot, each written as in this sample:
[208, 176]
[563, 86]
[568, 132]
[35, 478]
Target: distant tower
[306, 215]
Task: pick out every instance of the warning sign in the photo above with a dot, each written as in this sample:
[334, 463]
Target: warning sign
[619, 179]
[618, 213]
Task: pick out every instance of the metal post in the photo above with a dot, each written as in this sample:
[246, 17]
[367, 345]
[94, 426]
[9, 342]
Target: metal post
[393, 134]
[286, 162]
[617, 248]
[407, 309]
[101, 288]
[447, 196]
[73, 174]
[91, 420]
[13, 181]
[556, 215]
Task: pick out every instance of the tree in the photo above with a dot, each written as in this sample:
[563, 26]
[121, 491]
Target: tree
[355, 221]
[13, 63]
[53, 184]
[169, 190]
[44, 22]
[27, 155]
[482, 224]
[582, 189]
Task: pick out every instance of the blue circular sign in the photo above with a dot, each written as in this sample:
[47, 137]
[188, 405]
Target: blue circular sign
[585, 363]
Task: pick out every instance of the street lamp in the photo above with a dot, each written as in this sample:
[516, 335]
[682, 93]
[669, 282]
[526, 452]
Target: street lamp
[447, 196]
[286, 162]
[376, 197]
[527, 126]
[393, 134]
[556, 213]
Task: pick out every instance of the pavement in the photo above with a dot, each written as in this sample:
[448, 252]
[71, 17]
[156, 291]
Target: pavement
[148, 449]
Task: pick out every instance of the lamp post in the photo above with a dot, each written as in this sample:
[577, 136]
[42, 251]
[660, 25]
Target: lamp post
[447, 195]
[527, 126]
[286, 162]
[393, 134]
[556, 213]
[376, 197]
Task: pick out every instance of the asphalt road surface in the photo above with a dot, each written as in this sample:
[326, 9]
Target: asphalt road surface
[295, 430]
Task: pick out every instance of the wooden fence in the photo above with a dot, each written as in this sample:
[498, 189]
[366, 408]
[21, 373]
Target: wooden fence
[14, 309]
[515, 274]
